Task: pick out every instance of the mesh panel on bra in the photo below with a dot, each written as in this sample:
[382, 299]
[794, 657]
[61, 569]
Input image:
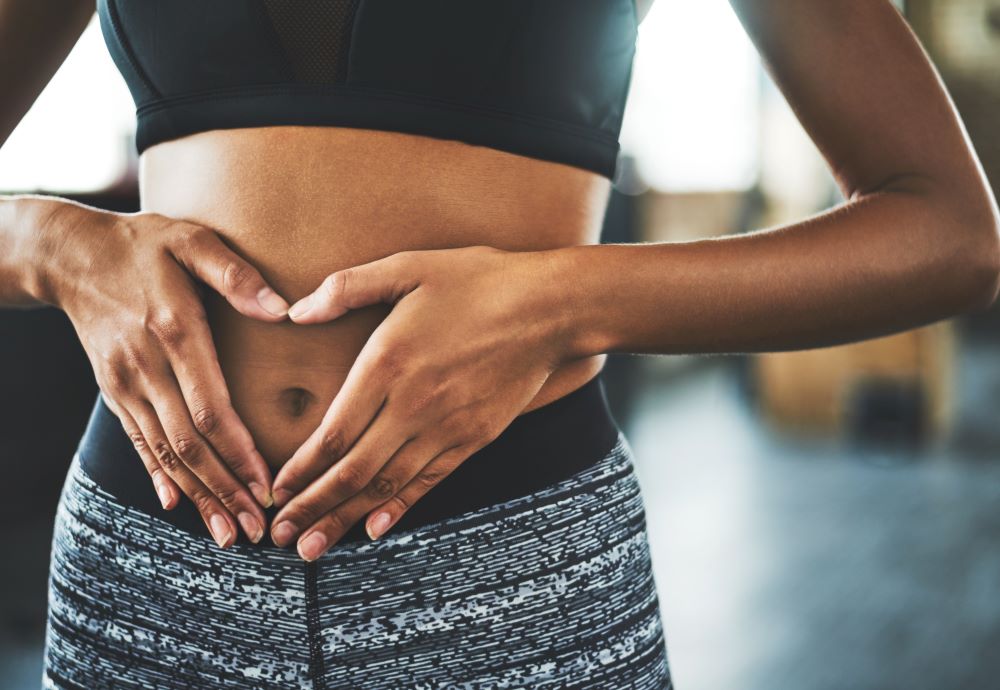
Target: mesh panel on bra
[315, 35]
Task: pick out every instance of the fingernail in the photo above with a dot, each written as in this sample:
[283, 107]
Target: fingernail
[378, 525]
[220, 530]
[300, 307]
[282, 533]
[312, 546]
[164, 493]
[272, 302]
[281, 497]
[262, 495]
[251, 526]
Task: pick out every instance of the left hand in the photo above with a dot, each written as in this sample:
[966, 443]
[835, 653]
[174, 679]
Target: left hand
[473, 334]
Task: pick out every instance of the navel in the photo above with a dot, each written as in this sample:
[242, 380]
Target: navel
[295, 400]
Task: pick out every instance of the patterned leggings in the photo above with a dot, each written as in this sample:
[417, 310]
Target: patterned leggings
[550, 590]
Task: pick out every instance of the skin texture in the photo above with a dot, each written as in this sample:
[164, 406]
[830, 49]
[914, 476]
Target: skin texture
[284, 376]
[453, 287]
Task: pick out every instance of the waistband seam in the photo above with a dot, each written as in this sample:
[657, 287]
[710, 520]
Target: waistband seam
[317, 667]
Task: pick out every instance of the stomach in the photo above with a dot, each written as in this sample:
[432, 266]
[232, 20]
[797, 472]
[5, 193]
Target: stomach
[302, 202]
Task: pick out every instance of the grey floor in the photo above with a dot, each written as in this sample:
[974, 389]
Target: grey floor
[782, 563]
[794, 564]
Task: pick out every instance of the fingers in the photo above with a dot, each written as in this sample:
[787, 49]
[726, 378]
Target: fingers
[349, 477]
[388, 514]
[166, 489]
[180, 443]
[219, 521]
[416, 464]
[203, 253]
[355, 406]
[196, 366]
[384, 280]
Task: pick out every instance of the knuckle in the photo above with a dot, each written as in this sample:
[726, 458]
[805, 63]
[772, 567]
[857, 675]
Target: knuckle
[425, 400]
[430, 476]
[206, 421]
[138, 441]
[227, 495]
[390, 361]
[202, 501]
[382, 487]
[236, 275]
[335, 284]
[456, 426]
[481, 430]
[334, 445]
[166, 456]
[351, 478]
[186, 236]
[133, 358]
[190, 450]
[117, 377]
[166, 325]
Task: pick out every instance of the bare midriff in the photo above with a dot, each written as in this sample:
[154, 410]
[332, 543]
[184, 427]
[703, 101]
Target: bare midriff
[303, 202]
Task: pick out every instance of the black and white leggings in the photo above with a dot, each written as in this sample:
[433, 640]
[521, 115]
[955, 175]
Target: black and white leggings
[553, 589]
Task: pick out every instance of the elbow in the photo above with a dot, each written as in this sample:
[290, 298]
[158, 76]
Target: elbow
[980, 263]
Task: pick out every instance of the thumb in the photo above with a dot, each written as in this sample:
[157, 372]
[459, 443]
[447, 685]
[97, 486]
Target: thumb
[206, 256]
[384, 280]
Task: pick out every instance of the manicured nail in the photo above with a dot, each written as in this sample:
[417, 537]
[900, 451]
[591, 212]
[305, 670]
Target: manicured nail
[282, 533]
[300, 307]
[262, 495]
[281, 497]
[251, 526]
[310, 547]
[221, 530]
[272, 302]
[378, 525]
[164, 493]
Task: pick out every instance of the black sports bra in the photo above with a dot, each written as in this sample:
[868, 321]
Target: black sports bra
[541, 78]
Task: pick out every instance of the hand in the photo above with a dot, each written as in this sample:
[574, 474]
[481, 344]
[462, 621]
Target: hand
[126, 281]
[471, 338]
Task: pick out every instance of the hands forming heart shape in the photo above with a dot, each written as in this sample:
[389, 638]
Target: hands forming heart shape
[470, 340]
[473, 334]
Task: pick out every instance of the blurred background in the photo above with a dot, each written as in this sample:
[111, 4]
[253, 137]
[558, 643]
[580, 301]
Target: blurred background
[819, 519]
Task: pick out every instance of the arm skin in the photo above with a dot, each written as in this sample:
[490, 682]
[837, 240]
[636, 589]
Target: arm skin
[36, 38]
[915, 242]
[475, 331]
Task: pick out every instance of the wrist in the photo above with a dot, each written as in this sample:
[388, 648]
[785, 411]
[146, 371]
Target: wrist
[573, 302]
[54, 252]
[22, 250]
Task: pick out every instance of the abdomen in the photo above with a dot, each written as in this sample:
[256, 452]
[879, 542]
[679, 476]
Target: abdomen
[302, 202]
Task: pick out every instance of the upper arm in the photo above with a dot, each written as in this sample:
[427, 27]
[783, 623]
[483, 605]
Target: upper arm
[866, 92]
[35, 38]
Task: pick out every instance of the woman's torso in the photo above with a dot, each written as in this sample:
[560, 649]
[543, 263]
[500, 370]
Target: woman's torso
[300, 202]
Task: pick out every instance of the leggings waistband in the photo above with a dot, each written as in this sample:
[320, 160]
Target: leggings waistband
[537, 449]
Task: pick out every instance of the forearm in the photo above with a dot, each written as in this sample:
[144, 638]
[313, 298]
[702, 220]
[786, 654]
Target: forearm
[26, 241]
[883, 263]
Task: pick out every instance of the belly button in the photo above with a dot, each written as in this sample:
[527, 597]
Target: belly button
[295, 400]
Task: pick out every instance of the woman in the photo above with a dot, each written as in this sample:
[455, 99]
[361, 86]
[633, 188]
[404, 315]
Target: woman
[424, 183]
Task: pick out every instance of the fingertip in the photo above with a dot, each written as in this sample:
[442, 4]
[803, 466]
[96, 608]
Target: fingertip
[300, 309]
[378, 524]
[263, 496]
[281, 497]
[271, 302]
[165, 495]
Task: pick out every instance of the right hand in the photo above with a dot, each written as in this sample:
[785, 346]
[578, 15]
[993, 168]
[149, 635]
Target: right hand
[126, 281]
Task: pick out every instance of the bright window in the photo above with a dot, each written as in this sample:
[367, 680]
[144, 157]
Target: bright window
[78, 134]
[692, 119]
